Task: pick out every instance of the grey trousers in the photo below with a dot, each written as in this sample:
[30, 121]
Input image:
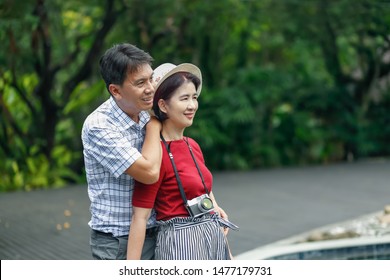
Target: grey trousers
[105, 246]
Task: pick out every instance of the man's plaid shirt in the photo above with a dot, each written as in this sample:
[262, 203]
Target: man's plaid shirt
[112, 142]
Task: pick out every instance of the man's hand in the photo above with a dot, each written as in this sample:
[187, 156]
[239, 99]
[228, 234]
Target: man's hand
[154, 123]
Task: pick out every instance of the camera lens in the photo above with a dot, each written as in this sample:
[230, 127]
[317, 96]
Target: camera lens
[207, 203]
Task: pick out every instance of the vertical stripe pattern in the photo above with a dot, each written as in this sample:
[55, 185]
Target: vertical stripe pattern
[187, 238]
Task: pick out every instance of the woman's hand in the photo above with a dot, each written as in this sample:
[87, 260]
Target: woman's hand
[223, 215]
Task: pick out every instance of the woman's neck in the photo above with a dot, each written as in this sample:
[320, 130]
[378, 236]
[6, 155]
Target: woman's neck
[171, 133]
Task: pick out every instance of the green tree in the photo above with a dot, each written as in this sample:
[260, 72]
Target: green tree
[285, 82]
[353, 45]
[51, 48]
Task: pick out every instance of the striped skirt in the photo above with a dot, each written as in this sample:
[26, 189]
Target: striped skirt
[187, 238]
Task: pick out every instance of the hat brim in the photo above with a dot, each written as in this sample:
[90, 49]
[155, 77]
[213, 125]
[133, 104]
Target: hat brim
[184, 67]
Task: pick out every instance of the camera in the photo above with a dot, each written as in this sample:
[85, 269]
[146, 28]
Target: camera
[200, 205]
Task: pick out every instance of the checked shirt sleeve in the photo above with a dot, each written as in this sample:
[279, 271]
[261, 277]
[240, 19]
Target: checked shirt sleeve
[113, 148]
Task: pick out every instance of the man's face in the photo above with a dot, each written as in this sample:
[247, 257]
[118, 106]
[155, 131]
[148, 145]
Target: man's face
[136, 93]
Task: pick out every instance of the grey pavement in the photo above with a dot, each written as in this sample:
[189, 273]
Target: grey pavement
[268, 205]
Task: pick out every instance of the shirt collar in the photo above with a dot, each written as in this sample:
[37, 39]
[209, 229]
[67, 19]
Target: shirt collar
[124, 120]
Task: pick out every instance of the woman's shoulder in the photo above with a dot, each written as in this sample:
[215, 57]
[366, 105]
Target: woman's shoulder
[190, 140]
[192, 143]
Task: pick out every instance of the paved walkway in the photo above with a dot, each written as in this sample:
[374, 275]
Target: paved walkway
[268, 205]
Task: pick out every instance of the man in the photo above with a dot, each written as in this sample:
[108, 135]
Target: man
[117, 152]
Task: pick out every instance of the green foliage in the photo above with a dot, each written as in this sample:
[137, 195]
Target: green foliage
[285, 82]
[37, 172]
[24, 166]
[375, 129]
[262, 123]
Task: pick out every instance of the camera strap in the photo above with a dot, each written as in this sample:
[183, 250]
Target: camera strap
[181, 189]
[197, 166]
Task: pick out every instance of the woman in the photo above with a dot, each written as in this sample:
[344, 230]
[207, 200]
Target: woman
[186, 211]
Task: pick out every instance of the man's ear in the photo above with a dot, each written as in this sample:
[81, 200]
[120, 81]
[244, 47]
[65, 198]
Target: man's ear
[115, 92]
[162, 105]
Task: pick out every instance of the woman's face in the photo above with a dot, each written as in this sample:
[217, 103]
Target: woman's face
[182, 105]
